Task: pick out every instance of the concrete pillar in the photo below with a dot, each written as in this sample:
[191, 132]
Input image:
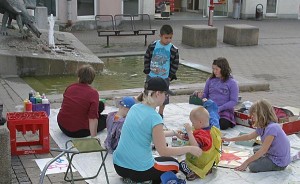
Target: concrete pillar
[199, 35]
[41, 17]
[240, 34]
[5, 156]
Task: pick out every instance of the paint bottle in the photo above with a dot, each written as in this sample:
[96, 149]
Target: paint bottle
[45, 101]
[185, 135]
[174, 141]
[30, 94]
[38, 98]
[32, 100]
[24, 104]
[28, 107]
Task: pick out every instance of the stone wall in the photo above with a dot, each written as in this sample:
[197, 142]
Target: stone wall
[5, 157]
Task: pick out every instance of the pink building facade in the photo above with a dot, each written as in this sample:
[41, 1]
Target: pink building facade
[77, 10]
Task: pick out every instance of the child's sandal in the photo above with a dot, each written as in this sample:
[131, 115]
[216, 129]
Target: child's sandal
[129, 181]
[209, 172]
[192, 176]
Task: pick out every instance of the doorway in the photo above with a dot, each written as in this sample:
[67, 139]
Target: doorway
[193, 5]
[204, 8]
[220, 8]
[271, 10]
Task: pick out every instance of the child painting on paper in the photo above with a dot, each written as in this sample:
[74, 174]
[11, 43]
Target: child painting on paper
[274, 154]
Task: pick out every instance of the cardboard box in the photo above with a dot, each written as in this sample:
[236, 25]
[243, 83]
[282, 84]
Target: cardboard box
[290, 124]
[291, 127]
[243, 119]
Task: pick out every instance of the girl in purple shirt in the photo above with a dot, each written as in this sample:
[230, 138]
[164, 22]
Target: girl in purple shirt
[274, 153]
[223, 90]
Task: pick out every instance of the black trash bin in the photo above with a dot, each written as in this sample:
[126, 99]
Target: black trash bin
[259, 12]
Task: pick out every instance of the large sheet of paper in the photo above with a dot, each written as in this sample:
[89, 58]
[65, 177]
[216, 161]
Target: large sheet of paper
[174, 117]
[232, 156]
[58, 166]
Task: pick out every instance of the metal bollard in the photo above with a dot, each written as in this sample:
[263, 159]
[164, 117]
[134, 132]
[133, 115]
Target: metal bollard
[211, 15]
[259, 12]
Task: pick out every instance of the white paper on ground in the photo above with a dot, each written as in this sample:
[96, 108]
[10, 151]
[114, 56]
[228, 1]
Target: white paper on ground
[294, 141]
[58, 166]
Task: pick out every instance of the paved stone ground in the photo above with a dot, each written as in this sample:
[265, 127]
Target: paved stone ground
[275, 61]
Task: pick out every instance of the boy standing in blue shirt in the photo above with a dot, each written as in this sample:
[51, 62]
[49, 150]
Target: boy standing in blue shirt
[162, 60]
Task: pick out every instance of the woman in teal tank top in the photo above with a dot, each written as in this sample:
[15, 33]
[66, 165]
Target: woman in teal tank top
[133, 157]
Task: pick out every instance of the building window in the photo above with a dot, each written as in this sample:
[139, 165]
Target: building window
[85, 7]
[131, 7]
[271, 6]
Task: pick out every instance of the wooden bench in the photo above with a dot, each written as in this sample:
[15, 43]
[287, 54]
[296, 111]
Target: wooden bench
[124, 25]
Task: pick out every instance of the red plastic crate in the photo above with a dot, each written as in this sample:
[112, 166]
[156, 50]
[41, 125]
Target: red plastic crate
[29, 121]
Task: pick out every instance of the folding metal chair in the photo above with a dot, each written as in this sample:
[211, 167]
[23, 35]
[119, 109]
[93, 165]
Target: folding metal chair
[79, 146]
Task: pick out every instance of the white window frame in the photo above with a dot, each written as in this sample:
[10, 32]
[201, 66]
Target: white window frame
[88, 17]
[272, 14]
[139, 8]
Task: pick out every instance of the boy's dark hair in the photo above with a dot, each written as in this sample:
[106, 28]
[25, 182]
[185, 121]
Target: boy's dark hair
[222, 63]
[86, 74]
[166, 29]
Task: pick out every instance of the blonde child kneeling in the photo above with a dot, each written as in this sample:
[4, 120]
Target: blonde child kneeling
[274, 154]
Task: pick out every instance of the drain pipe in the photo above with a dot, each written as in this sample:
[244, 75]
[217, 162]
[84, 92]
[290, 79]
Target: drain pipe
[69, 13]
